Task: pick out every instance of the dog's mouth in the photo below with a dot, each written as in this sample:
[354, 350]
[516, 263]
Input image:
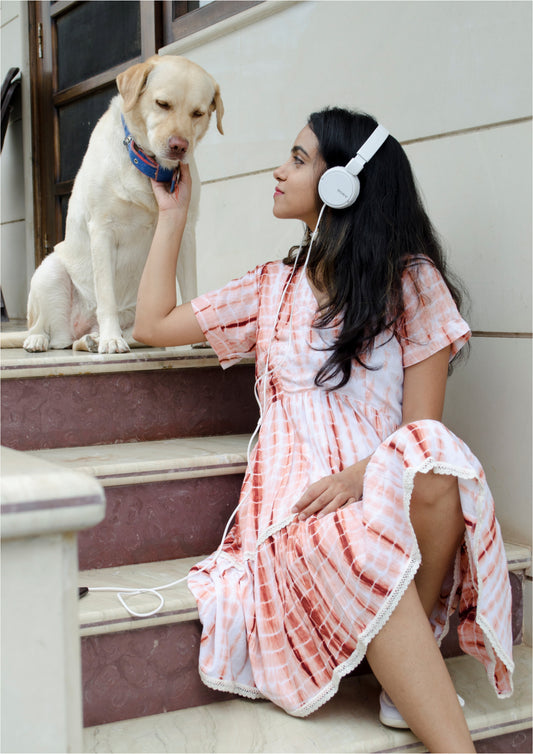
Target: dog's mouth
[167, 160]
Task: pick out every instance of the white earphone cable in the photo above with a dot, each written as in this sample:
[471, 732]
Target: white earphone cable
[123, 592]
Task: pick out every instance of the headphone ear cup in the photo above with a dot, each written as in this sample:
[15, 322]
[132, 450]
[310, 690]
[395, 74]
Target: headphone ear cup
[338, 188]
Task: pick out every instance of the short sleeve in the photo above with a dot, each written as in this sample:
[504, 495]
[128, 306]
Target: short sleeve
[431, 319]
[228, 318]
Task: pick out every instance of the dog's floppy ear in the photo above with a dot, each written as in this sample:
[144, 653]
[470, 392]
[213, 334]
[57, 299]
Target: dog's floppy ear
[131, 83]
[218, 105]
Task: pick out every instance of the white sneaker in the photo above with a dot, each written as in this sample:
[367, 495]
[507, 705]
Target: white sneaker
[389, 715]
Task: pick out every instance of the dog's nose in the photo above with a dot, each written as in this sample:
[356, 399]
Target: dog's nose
[178, 146]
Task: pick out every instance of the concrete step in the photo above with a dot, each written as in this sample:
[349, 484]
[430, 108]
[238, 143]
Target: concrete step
[68, 399]
[124, 656]
[348, 723]
[164, 499]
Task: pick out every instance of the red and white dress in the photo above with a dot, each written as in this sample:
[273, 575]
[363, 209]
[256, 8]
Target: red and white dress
[288, 607]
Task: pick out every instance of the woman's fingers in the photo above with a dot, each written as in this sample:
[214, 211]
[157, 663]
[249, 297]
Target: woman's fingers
[324, 496]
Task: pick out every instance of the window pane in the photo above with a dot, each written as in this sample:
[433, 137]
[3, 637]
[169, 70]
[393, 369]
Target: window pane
[76, 122]
[95, 36]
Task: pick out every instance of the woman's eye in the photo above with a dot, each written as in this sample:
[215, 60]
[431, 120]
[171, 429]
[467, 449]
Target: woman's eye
[162, 104]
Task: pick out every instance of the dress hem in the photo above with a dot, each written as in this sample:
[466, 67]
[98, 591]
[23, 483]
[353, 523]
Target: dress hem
[340, 671]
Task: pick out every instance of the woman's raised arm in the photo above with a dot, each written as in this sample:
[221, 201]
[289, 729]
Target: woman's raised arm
[158, 321]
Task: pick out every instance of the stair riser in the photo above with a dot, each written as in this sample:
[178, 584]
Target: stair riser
[160, 521]
[98, 409]
[144, 672]
[151, 670]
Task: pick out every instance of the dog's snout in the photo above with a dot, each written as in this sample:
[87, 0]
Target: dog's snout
[177, 146]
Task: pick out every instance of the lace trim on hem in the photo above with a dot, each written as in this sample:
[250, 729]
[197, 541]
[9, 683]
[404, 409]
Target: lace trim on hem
[232, 687]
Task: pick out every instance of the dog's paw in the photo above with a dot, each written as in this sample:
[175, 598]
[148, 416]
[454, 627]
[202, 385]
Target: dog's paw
[89, 342]
[36, 343]
[113, 345]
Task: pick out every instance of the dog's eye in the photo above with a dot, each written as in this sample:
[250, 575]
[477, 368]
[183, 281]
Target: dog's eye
[162, 104]
[198, 114]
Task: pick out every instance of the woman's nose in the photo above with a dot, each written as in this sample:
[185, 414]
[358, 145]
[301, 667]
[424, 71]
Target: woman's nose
[278, 173]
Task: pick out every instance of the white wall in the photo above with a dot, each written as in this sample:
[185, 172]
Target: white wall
[452, 81]
[17, 255]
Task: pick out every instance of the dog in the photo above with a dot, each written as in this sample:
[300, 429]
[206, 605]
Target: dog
[83, 295]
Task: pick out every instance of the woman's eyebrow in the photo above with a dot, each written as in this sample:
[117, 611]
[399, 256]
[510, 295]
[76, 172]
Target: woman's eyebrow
[297, 148]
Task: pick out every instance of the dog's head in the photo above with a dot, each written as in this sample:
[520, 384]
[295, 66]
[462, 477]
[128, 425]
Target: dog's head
[168, 101]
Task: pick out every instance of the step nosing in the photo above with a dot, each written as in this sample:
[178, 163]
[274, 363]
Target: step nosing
[132, 619]
[235, 466]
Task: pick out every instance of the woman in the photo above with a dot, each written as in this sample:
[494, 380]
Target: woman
[363, 522]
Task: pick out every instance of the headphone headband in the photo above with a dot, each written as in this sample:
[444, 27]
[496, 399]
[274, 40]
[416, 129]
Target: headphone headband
[368, 150]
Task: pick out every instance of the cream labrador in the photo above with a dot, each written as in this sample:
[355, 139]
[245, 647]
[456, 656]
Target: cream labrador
[84, 294]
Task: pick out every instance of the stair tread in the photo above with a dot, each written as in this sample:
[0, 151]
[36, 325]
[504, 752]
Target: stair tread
[101, 612]
[348, 723]
[16, 362]
[182, 457]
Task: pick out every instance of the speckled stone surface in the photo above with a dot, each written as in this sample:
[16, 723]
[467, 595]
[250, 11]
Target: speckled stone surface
[348, 723]
[159, 521]
[52, 412]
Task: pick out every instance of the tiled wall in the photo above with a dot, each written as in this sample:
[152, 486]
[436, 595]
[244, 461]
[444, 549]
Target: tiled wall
[15, 165]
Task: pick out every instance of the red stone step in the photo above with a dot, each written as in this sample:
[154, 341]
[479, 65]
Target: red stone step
[164, 499]
[67, 399]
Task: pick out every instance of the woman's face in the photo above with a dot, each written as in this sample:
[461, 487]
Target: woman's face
[296, 195]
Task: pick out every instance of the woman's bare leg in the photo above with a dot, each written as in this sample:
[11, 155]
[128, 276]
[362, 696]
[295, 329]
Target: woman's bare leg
[406, 660]
[439, 526]
[404, 656]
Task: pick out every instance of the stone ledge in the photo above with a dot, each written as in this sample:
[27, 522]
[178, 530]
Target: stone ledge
[38, 497]
[17, 363]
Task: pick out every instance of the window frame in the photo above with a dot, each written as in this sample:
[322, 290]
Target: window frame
[201, 18]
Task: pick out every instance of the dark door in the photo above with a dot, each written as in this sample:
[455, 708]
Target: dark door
[78, 48]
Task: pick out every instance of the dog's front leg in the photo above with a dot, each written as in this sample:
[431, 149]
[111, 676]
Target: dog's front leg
[103, 253]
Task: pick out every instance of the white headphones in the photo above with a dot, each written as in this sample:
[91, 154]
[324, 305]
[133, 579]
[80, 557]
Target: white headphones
[339, 186]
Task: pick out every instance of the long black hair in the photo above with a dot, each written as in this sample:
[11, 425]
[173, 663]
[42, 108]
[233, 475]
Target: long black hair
[360, 253]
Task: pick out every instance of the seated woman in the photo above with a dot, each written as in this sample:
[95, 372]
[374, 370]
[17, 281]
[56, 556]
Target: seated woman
[363, 521]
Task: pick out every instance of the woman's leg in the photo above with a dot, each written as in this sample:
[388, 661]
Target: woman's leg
[406, 660]
[404, 655]
[439, 526]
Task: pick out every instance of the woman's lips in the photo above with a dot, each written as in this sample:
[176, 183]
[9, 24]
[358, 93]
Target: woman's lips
[277, 192]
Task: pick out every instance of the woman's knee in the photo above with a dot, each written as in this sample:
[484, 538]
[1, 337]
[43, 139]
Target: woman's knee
[432, 487]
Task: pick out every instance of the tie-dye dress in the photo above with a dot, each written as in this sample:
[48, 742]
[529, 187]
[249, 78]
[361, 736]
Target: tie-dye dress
[289, 607]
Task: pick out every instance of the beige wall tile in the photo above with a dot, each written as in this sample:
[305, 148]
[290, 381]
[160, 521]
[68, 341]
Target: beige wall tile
[488, 405]
[477, 188]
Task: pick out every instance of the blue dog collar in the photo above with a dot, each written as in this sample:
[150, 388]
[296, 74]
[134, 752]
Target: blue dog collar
[147, 165]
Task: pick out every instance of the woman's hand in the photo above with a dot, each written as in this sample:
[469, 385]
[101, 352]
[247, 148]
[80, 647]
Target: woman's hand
[180, 198]
[332, 492]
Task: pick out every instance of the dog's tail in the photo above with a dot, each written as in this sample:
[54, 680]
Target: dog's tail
[13, 339]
